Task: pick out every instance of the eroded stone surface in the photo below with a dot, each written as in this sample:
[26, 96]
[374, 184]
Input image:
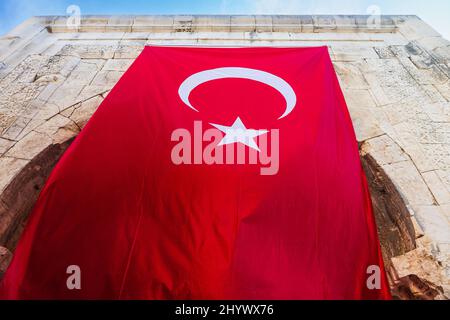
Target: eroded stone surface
[395, 226]
[422, 262]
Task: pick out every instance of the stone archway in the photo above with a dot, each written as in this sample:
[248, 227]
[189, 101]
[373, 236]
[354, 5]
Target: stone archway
[397, 233]
[19, 197]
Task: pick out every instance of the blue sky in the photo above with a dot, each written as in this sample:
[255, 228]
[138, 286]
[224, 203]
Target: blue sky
[434, 12]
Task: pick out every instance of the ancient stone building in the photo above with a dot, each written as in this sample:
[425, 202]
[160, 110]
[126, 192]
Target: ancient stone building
[395, 77]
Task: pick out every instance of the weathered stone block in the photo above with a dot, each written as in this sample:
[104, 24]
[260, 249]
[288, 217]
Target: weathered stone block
[10, 167]
[16, 128]
[384, 150]
[324, 23]
[119, 23]
[66, 95]
[350, 75]
[406, 176]
[6, 120]
[438, 112]
[93, 24]
[263, 23]
[395, 80]
[350, 53]
[384, 52]
[152, 23]
[85, 110]
[84, 72]
[243, 23]
[107, 78]
[117, 64]
[413, 28]
[29, 146]
[286, 24]
[58, 128]
[395, 226]
[434, 223]
[128, 51]
[345, 23]
[5, 145]
[422, 262]
[211, 23]
[91, 91]
[437, 187]
[407, 138]
[5, 259]
[307, 23]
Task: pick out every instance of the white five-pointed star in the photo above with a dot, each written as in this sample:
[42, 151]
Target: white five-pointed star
[239, 133]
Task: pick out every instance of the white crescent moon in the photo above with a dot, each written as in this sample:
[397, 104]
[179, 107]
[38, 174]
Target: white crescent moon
[242, 73]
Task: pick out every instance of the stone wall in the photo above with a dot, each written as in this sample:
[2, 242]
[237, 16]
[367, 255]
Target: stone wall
[395, 79]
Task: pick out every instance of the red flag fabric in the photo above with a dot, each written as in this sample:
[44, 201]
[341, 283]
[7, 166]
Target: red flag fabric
[208, 173]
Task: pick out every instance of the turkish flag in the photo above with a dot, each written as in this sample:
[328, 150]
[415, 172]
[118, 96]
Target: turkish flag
[208, 173]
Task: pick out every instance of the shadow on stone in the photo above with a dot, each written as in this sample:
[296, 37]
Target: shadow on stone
[18, 199]
[395, 228]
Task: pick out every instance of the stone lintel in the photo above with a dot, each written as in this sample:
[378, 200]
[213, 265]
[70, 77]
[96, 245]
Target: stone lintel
[225, 23]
